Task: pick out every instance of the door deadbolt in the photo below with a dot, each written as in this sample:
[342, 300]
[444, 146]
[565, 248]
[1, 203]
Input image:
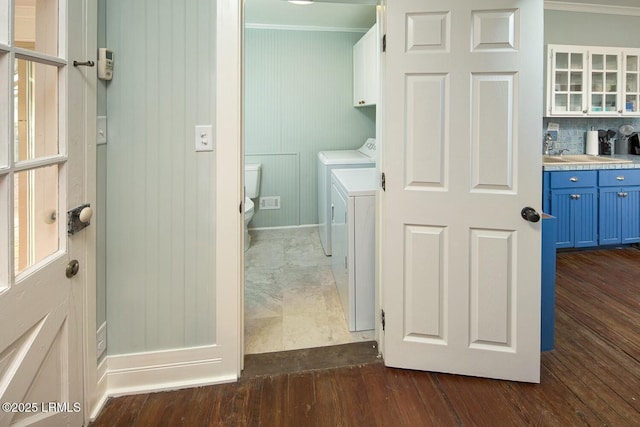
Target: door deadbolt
[72, 268]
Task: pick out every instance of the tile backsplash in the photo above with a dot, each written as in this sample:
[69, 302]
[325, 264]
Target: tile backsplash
[572, 133]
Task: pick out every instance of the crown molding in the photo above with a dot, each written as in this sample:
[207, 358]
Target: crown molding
[304, 28]
[591, 8]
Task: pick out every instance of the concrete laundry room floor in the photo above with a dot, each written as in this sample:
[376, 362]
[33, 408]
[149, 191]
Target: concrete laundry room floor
[291, 301]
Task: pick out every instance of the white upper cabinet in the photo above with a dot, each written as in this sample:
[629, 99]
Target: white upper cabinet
[592, 81]
[604, 78]
[566, 81]
[365, 69]
[631, 82]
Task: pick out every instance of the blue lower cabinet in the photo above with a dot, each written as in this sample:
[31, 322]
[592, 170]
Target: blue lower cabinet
[619, 216]
[577, 211]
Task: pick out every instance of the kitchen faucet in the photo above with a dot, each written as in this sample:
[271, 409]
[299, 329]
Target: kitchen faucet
[562, 151]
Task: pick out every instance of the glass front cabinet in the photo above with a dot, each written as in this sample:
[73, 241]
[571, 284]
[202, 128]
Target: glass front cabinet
[592, 81]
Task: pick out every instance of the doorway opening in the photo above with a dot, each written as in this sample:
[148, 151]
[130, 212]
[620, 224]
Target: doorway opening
[298, 91]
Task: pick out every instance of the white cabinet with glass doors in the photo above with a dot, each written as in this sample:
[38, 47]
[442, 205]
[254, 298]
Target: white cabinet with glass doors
[566, 81]
[604, 78]
[631, 79]
[592, 81]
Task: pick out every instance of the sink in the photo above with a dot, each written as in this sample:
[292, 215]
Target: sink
[576, 159]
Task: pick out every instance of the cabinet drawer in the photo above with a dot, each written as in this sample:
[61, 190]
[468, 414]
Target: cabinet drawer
[571, 179]
[618, 177]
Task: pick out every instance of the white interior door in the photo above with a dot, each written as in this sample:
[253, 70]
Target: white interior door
[42, 171]
[462, 157]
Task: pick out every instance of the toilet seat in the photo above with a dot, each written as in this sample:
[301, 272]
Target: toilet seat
[248, 205]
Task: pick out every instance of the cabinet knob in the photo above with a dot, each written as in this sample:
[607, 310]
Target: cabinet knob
[575, 196]
[573, 179]
[623, 194]
[620, 178]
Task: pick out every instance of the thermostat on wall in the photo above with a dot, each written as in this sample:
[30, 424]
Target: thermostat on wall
[105, 64]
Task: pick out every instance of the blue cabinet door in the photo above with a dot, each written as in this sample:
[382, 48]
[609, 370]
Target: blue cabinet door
[630, 215]
[577, 213]
[619, 217]
[609, 217]
[585, 215]
[561, 209]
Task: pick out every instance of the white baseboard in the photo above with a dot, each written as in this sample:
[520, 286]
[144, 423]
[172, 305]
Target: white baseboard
[101, 390]
[159, 371]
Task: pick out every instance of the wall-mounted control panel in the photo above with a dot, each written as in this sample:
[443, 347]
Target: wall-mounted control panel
[105, 63]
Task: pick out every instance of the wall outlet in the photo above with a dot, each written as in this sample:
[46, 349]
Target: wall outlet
[269, 202]
[101, 340]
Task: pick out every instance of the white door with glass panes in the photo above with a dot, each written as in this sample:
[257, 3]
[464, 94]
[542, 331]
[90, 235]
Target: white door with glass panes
[43, 140]
[461, 155]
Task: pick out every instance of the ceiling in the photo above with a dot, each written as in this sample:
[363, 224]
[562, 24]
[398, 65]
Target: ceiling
[348, 14]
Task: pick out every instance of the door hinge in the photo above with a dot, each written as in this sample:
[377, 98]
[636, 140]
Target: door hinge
[240, 207]
[383, 182]
[382, 319]
[384, 42]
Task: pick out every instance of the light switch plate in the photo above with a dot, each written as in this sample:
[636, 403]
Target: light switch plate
[204, 138]
[101, 129]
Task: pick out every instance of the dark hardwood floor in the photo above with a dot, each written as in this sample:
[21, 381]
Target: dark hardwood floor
[591, 378]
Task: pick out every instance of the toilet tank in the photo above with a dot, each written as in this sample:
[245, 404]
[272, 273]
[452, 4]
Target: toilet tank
[252, 179]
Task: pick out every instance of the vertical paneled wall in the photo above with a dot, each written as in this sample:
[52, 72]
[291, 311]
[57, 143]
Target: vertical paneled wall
[160, 192]
[298, 101]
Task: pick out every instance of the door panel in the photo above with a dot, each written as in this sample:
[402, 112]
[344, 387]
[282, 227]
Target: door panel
[41, 309]
[461, 273]
[426, 287]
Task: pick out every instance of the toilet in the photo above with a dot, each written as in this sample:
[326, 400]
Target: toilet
[251, 191]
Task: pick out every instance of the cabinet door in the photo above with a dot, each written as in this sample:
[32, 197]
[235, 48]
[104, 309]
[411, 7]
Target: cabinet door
[609, 216]
[605, 79]
[577, 213]
[561, 209]
[566, 78]
[630, 215]
[365, 69]
[359, 67]
[585, 215]
[631, 83]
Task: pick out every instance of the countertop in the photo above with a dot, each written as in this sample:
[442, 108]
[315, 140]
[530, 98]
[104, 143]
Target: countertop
[635, 164]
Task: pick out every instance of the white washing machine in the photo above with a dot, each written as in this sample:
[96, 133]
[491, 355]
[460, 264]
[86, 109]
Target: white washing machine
[364, 157]
[353, 194]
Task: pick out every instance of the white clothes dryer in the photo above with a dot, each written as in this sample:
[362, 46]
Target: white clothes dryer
[364, 157]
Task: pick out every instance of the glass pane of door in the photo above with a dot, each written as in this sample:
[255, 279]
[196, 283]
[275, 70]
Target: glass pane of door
[36, 25]
[35, 222]
[35, 110]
